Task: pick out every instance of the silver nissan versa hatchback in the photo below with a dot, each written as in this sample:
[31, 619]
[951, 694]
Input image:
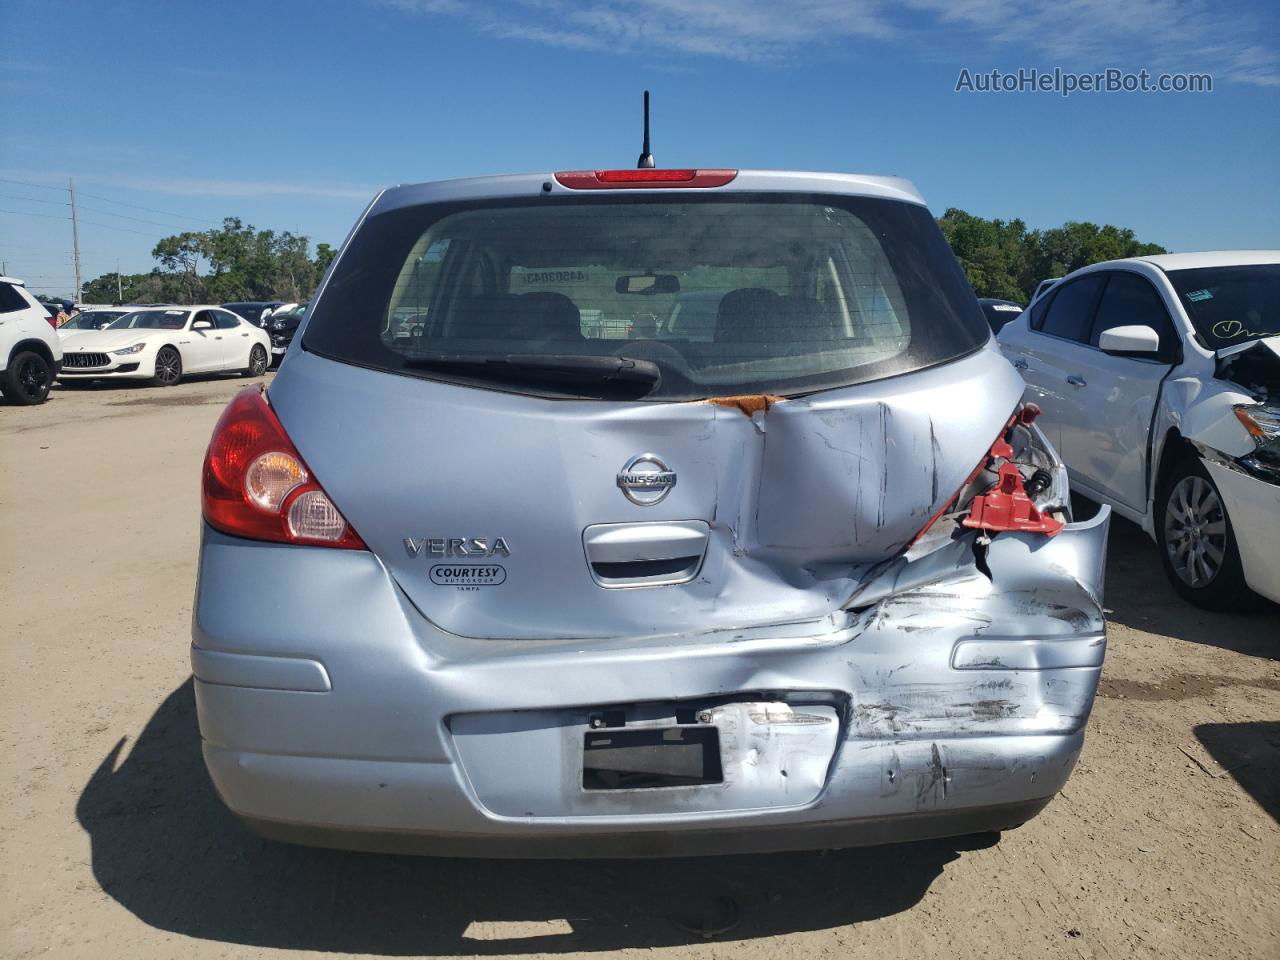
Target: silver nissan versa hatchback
[642, 512]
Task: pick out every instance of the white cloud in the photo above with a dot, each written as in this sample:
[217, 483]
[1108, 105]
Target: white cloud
[755, 30]
[1159, 35]
[1172, 35]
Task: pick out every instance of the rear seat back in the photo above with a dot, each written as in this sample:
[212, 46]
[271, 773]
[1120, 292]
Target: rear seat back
[524, 317]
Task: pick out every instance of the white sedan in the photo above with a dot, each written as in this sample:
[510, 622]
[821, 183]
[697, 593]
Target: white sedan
[162, 344]
[1159, 378]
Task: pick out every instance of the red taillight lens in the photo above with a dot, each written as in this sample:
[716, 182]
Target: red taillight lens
[632, 179]
[256, 485]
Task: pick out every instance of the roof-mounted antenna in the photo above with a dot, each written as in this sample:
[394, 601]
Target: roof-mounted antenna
[646, 158]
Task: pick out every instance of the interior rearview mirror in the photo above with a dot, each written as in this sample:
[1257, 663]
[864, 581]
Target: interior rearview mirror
[1129, 340]
[648, 283]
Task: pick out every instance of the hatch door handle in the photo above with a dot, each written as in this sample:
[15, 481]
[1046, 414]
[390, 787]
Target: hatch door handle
[1076, 380]
[1020, 364]
[645, 554]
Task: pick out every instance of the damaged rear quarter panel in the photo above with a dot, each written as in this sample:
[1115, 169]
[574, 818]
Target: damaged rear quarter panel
[1042, 603]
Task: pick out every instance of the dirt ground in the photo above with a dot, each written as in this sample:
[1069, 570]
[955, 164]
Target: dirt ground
[1165, 843]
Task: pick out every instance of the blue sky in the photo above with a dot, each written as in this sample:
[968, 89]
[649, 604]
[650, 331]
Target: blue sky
[290, 114]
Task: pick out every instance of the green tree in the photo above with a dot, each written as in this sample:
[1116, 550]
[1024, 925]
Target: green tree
[1003, 259]
[324, 257]
[295, 271]
[181, 257]
[992, 252]
[233, 262]
[1074, 245]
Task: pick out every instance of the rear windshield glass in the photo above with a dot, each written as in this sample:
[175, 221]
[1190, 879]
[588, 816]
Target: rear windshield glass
[746, 293]
[1231, 304]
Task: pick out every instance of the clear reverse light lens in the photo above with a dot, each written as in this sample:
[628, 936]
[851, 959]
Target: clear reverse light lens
[271, 478]
[314, 517]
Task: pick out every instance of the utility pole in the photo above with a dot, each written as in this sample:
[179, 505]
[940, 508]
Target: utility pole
[75, 238]
[119, 283]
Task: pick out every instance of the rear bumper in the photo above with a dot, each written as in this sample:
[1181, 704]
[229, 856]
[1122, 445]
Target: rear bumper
[342, 786]
[333, 713]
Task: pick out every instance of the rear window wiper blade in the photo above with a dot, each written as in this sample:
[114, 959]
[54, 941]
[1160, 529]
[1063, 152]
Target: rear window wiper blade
[558, 365]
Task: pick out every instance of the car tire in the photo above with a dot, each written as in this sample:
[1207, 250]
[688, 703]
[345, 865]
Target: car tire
[168, 367]
[1197, 542]
[258, 362]
[27, 379]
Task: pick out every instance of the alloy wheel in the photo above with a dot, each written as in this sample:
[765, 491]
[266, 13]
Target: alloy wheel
[258, 362]
[34, 378]
[1195, 531]
[168, 367]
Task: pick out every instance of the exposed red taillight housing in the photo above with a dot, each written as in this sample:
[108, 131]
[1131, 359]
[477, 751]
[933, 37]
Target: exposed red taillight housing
[256, 485]
[641, 178]
[1005, 506]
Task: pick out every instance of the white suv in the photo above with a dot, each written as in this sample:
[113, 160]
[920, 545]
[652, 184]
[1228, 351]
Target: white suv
[30, 354]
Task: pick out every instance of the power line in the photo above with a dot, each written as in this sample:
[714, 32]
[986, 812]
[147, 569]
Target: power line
[112, 226]
[122, 216]
[23, 213]
[56, 203]
[28, 183]
[108, 226]
[20, 256]
[120, 203]
[107, 213]
[23, 253]
[163, 213]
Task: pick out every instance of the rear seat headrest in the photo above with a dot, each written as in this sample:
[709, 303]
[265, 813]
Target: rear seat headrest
[750, 314]
[549, 316]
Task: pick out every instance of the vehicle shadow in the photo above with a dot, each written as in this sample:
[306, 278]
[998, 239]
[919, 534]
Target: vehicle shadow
[143, 386]
[1250, 752]
[167, 850]
[1139, 595]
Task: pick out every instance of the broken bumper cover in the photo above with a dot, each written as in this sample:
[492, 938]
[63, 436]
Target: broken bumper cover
[333, 713]
[1253, 505]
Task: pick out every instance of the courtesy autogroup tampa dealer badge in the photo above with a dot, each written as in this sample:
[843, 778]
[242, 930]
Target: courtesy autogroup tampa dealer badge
[460, 573]
[468, 575]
